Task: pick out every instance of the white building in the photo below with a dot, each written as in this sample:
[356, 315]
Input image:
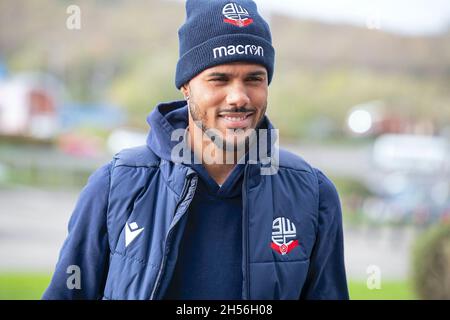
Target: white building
[29, 104]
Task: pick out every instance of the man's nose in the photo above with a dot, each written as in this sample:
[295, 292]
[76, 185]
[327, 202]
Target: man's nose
[237, 95]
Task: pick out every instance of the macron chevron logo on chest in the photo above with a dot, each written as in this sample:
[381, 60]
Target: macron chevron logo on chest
[132, 230]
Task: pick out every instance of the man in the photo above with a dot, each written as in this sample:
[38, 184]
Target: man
[216, 211]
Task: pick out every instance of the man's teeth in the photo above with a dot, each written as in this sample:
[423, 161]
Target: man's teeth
[235, 118]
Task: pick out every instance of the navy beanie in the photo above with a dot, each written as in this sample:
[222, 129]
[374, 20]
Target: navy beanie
[218, 32]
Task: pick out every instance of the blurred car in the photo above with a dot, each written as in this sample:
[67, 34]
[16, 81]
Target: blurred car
[417, 204]
[411, 181]
[123, 138]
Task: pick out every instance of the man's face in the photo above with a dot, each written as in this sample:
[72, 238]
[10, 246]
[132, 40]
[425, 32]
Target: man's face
[230, 98]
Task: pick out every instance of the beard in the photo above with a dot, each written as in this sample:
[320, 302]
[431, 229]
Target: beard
[237, 140]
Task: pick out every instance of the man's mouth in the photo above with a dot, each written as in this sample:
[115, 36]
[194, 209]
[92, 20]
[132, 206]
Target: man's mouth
[237, 120]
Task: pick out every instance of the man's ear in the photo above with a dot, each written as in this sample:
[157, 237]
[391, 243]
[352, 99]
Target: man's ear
[185, 91]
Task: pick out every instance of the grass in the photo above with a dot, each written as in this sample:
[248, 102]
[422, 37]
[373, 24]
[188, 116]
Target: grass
[389, 290]
[23, 286]
[31, 286]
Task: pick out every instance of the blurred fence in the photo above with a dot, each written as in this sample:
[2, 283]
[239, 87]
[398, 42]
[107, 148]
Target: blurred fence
[45, 166]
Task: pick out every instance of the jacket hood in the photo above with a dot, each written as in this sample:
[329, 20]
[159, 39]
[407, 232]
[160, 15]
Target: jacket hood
[169, 116]
[163, 120]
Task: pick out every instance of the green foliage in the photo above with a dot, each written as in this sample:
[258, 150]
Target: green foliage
[350, 187]
[126, 53]
[431, 263]
[144, 85]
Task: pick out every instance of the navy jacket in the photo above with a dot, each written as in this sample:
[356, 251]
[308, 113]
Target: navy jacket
[125, 231]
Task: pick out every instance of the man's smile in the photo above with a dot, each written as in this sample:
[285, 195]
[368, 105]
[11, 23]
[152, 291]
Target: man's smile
[236, 120]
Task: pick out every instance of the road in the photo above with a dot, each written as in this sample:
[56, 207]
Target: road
[33, 226]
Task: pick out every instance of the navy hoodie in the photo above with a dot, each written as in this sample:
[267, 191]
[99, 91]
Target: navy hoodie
[210, 257]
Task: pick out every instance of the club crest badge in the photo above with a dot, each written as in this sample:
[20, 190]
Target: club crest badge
[283, 235]
[236, 15]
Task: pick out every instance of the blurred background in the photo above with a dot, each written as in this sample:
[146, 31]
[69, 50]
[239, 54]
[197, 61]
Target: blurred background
[361, 90]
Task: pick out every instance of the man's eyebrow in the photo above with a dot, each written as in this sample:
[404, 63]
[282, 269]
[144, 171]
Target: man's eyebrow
[218, 74]
[224, 74]
[258, 73]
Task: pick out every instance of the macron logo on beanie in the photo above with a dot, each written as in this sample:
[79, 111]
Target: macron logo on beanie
[239, 49]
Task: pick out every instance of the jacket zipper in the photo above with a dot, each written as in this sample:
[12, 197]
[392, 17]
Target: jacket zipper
[245, 224]
[169, 235]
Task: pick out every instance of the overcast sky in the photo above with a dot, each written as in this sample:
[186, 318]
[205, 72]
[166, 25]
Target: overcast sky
[402, 16]
[413, 17]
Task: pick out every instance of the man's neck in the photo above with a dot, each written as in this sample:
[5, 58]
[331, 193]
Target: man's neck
[219, 172]
[220, 168]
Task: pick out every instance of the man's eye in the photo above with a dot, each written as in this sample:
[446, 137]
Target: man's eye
[255, 79]
[218, 79]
